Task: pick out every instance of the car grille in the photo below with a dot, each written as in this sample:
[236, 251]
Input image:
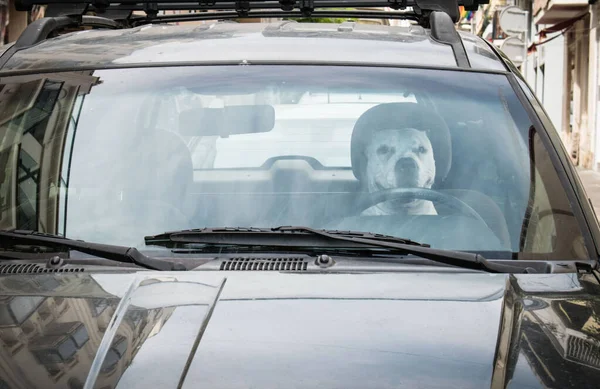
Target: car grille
[583, 351]
[265, 264]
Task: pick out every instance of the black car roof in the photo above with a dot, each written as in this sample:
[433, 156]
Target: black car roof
[231, 42]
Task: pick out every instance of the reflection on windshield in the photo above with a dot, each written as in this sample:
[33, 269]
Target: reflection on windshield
[112, 158]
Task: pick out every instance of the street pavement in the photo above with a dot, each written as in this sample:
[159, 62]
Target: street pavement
[591, 182]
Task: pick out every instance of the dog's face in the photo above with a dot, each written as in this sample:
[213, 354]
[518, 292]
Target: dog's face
[399, 158]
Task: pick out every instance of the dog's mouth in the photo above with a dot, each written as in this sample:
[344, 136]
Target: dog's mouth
[402, 180]
[380, 187]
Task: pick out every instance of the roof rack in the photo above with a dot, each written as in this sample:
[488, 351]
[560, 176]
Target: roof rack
[117, 9]
[439, 15]
[224, 15]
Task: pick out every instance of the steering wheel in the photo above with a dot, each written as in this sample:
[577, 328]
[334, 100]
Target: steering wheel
[374, 198]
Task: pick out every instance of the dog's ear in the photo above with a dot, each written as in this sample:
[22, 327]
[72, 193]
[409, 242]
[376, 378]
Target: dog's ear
[426, 132]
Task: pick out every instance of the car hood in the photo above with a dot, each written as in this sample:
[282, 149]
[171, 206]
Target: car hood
[274, 330]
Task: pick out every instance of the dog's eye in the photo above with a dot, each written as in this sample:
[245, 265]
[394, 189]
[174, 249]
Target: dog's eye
[383, 150]
[422, 150]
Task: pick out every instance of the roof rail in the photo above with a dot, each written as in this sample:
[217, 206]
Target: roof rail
[439, 15]
[443, 31]
[44, 28]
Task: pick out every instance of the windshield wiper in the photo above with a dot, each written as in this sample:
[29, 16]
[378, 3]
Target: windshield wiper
[301, 237]
[14, 238]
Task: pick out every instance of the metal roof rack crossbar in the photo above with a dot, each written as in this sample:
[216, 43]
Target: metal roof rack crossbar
[225, 15]
[152, 7]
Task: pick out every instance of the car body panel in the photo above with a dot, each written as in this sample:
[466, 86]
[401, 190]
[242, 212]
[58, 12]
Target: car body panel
[272, 329]
[247, 43]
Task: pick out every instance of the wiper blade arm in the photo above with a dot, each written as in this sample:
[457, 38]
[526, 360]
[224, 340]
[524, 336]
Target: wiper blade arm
[305, 236]
[349, 234]
[111, 252]
[272, 237]
[449, 257]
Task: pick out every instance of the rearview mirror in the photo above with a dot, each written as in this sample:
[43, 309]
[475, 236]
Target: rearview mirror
[231, 120]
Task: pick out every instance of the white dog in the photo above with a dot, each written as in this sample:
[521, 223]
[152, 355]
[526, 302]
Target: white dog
[400, 158]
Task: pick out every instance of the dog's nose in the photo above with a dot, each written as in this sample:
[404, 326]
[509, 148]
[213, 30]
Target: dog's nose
[405, 164]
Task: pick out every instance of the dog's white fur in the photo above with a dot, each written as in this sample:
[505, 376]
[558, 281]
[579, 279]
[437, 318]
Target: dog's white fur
[416, 170]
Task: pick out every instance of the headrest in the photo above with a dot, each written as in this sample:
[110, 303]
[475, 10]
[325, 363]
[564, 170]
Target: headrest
[402, 115]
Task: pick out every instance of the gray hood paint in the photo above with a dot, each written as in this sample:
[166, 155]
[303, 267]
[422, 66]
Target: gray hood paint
[272, 330]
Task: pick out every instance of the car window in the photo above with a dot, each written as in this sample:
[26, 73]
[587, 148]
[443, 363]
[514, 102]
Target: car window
[107, 156]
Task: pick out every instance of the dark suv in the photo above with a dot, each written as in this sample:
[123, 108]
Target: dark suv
[285, 204]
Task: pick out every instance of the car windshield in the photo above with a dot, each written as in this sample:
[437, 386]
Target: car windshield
[446, 158]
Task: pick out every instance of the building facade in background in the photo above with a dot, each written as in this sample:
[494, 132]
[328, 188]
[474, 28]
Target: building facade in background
[13, 22]
[561, 66]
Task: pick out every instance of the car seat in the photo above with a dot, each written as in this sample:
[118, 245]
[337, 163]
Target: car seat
[159, 177]
[402, 115]
[465, 183]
